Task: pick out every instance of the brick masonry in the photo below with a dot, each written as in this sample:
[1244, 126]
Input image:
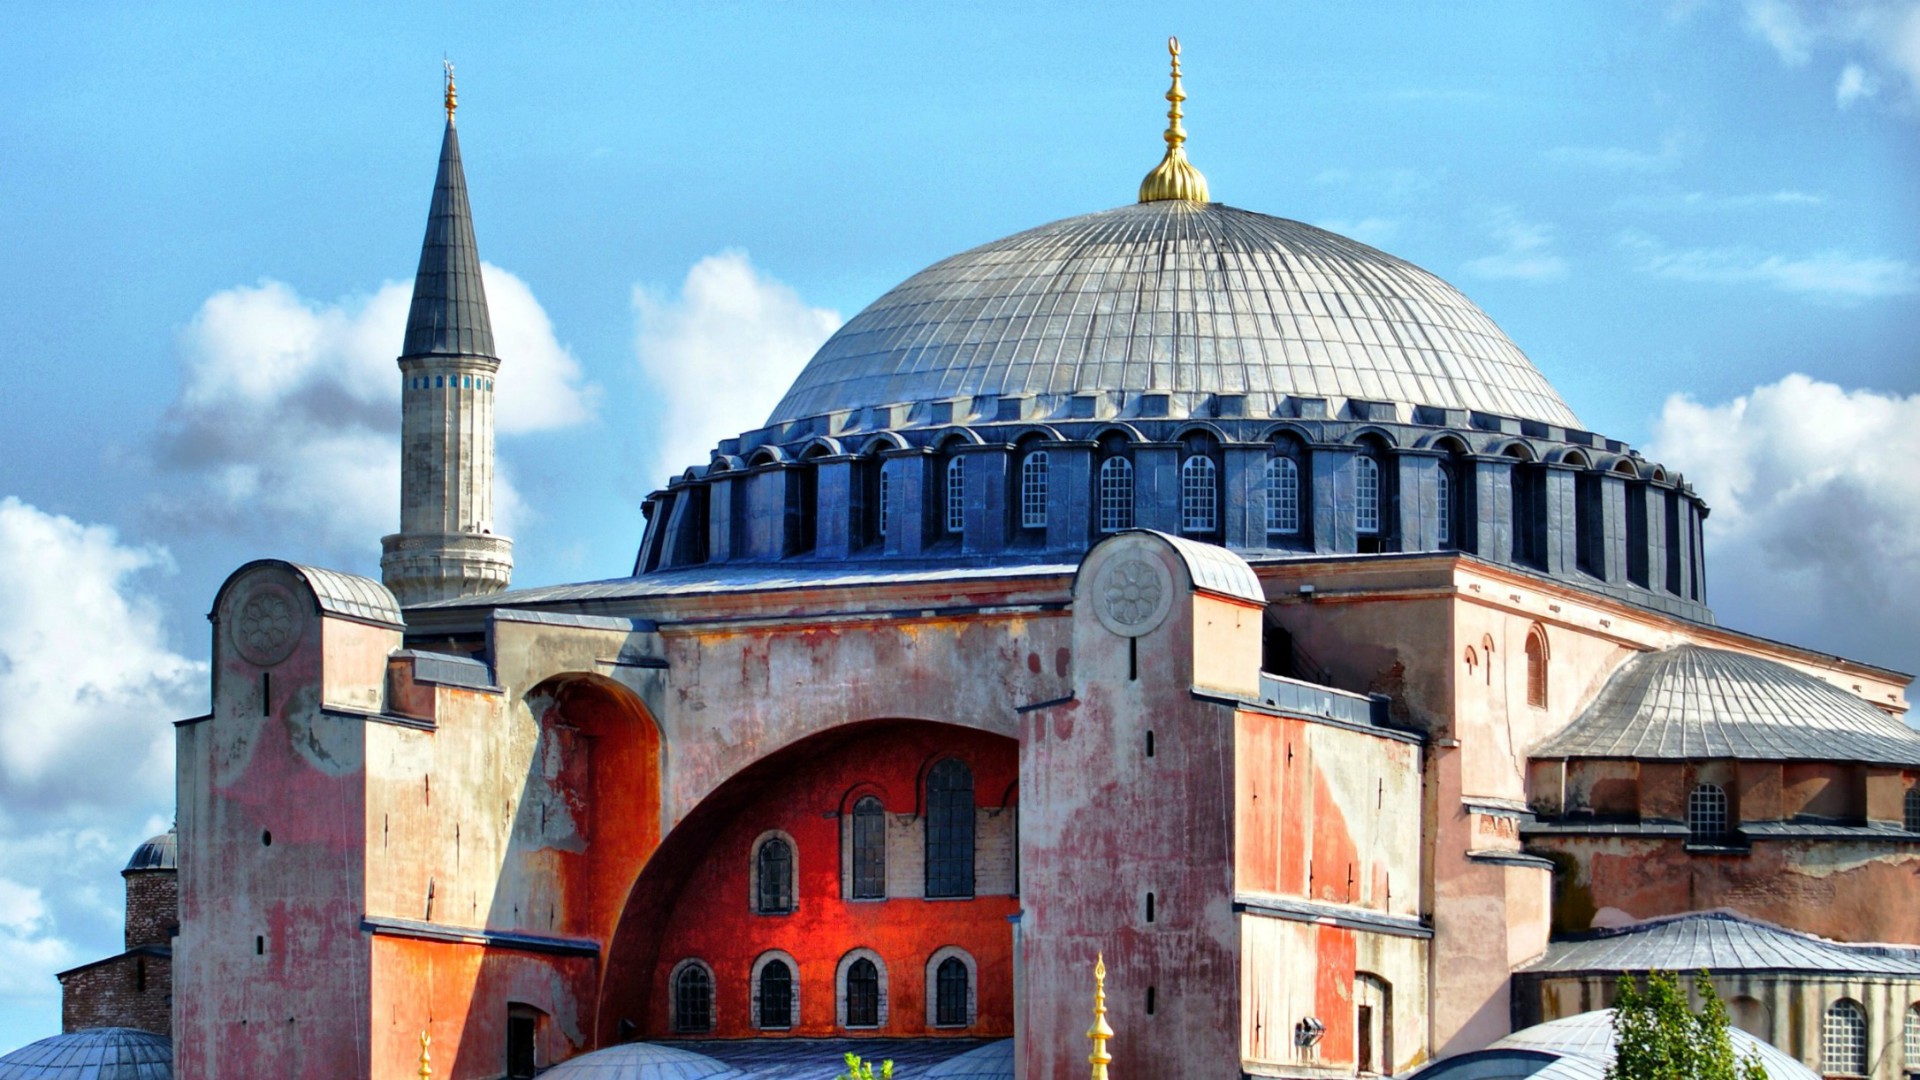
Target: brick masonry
[135, 988]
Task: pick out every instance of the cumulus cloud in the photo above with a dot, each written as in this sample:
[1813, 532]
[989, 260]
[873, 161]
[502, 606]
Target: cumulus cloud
[721, 353]
[288, 416]
[1836, 276]
[89, 688]
[1874, 43]
[1526, 253]
[1815, 529]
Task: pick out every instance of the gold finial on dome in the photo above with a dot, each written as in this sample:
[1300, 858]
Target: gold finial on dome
[1099, 1032]
[453, 99]
[1175, 177]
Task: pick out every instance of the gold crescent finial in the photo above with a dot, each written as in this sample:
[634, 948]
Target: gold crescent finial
[1099, 1032]
[1174, 178]
[453, 99]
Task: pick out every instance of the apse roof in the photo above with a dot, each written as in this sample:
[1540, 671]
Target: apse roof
[1184, 298]
[1719, 941]
[94, 1054]
[1691, 702]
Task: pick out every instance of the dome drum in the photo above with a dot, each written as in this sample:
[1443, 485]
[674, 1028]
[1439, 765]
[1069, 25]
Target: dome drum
[1553, 500]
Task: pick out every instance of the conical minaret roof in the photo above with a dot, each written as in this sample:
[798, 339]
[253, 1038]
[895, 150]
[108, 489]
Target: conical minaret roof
[449, 313]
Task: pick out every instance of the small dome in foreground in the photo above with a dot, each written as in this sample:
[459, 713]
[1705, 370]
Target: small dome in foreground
[156, 853]
[95, 1054]
[642, 1061]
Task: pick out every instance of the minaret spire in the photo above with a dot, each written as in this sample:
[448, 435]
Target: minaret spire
[1174, 178]
[446, 546]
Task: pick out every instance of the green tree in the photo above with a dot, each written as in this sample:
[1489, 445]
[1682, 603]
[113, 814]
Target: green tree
[859, 1070]
[1657, 1036]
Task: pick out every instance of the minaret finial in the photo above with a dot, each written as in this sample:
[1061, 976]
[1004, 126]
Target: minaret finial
[1174, 178]
[426, 1062]
[453, 99]
[1100, 1032]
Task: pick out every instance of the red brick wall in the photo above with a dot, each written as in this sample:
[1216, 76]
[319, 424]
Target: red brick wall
[153, 907]
[110, 995]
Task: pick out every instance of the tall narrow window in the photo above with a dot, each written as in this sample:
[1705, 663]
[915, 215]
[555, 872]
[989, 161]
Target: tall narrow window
[1707, 814]
[1366, 494]
[774, 996]
[1033, 490]
[773, 877]
[523, 1041]
[1529, 488]
[1912, 815]
[863, 994]
[1443, 528]
[881, 511]
[869, 850]
[1116, 494]
[1843, 1040]
[1911, 1066]
[956, 494]
[950, 829]
[1537, 668]
[1199, 495]
[693, 999]
[950, 993]
[1283, 496]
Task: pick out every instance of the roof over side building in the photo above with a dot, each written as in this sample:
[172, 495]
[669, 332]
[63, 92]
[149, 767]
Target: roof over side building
[1718, 941]
[94, 1054]
[1691, 702]
[351, 596]
[1214, 569]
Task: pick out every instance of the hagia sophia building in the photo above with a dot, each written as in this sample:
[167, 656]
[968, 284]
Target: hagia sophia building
[1176, 585]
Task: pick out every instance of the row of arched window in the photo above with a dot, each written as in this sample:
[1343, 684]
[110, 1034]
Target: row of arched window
[439, 382]
[1709, 816]
[948, 864]
[860, 992]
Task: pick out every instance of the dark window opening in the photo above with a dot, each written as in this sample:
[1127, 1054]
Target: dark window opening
[1637, 537]
[1912, 818]
[869, 850]
[259, 946]
[803, 507]
[693, 1000]
[1363, 1031]
[523, 1038]
[1589, 529]
[1149, 907]
[266, 838]
[1530, 515]
[776, 996]
[863, 994]
[1673, 542]
[950, 993]
[140, 976]
[1149, 744]
[1707, 817]
[1150, 1001]
[1537, 668]
[773, 894]
[950, 829]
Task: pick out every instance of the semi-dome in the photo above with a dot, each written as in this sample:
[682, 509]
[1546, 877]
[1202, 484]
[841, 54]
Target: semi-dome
[94, 1054]
[1181, 298]
[1691, 702]
[642, 1061]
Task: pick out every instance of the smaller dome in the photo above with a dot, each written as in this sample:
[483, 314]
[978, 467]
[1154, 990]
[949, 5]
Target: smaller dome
[95, 1054]
[1690, 702]
[640, 1061]
[157, 853]
[1589, 1035]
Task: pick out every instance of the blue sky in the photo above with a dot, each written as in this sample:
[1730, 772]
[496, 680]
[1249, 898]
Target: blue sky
[1698, 218]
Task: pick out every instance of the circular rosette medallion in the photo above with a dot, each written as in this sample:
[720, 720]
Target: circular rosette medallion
[267, 624]
[1132, 595]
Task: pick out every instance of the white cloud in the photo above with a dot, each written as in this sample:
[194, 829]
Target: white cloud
[1621, 158]
[1837, 276]
[1672, 201]
[1815, 529]
[1525, 254]
[1373, 230]
[721, 354]
[1874, 42]
[287, 421]
[89, 688]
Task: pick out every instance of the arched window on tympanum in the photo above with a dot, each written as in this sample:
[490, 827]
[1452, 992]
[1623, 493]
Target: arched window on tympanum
[773, 996]
[1843, 1042]
[869, 850]
[1034, 476]
[1707, 814]
[1199, 495]
[1116, 494]
[1537, 667]
[692, 998]
[952, 993]
[950, 829]
[863, 994]
[773, 877]
[1283, 496]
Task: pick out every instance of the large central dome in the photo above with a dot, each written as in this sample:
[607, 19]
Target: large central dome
[1179, 298]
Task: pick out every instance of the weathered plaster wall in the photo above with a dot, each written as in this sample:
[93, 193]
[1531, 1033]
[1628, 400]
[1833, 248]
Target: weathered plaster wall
[1292, 970]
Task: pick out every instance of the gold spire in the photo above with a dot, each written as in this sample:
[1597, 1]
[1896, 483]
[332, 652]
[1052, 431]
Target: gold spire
[1174, 178]
[1100, 1032]
[453, 99]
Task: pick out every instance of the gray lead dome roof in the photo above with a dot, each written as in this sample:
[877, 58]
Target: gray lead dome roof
[1187, 299]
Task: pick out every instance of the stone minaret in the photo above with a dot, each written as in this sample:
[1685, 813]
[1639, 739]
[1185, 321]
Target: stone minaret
[446, 546]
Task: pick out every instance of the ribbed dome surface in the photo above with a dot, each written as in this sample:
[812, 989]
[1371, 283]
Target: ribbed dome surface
[641, 1061]
[157, 853]
[1690, 702]
[1180, 298]
[95, 1054]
